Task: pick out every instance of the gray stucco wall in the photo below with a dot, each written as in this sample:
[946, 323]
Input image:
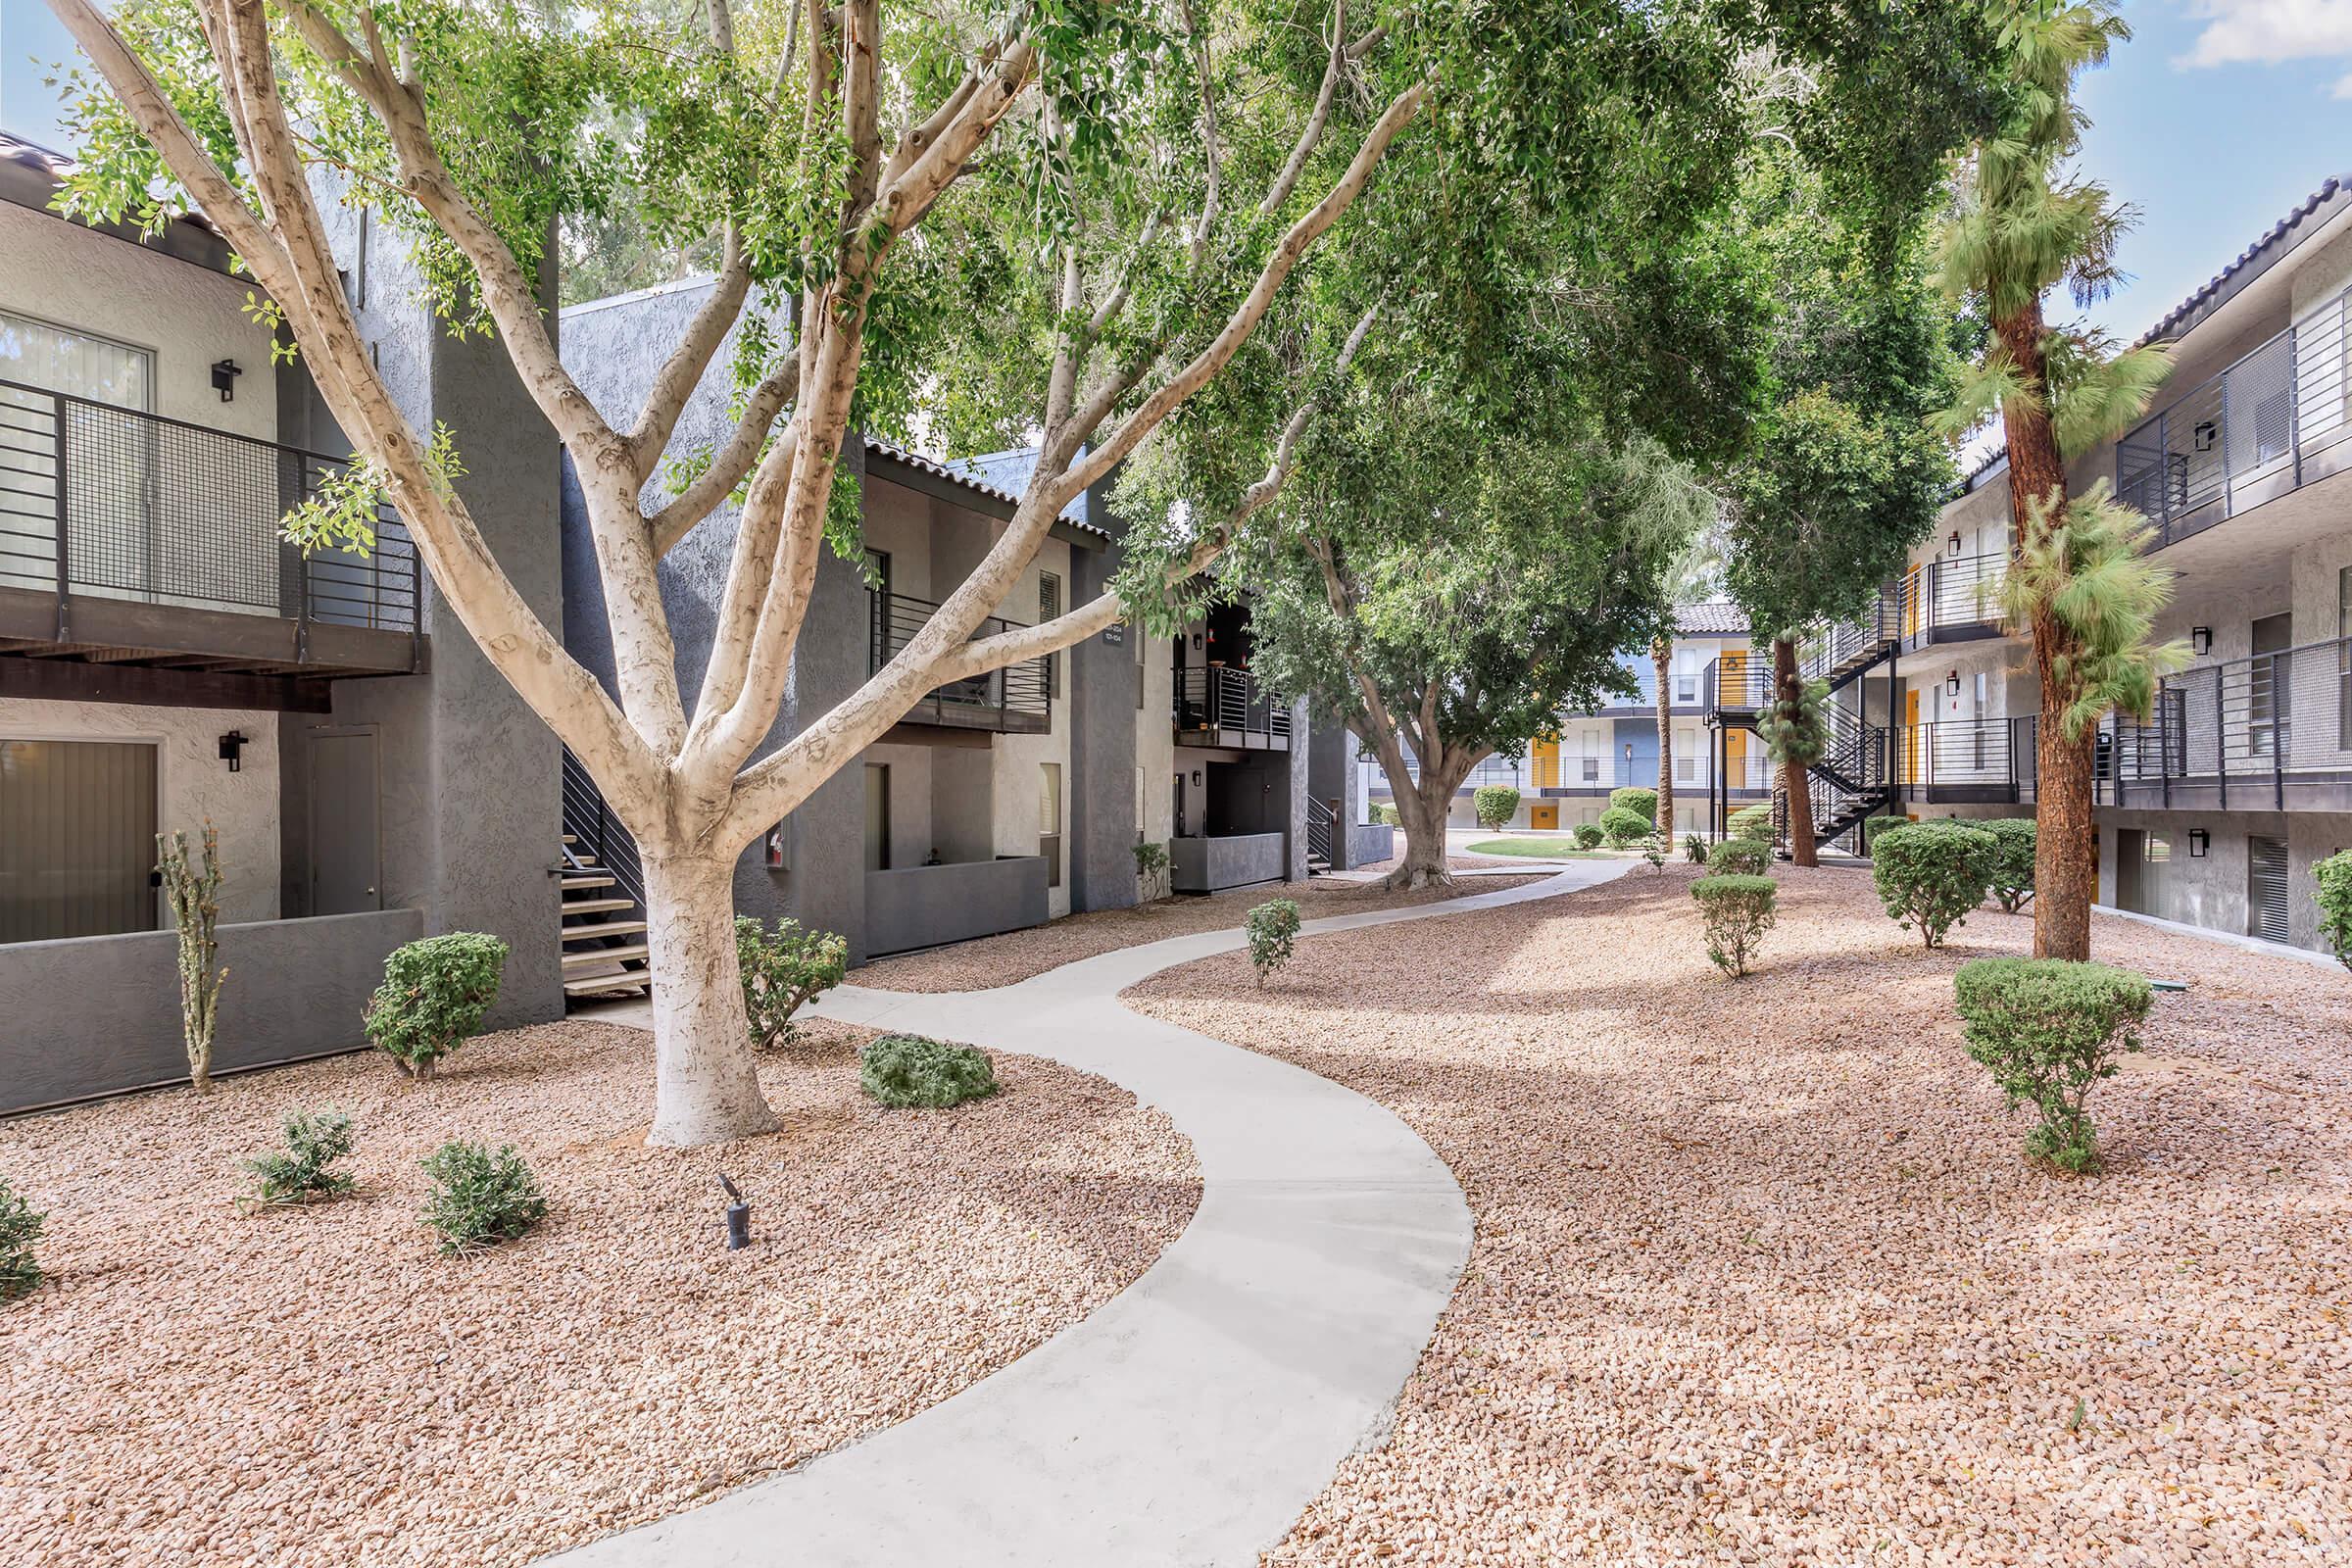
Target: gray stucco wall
[1370, 844]
[925, 906]
[1103, 682]
[1204, 866]
[95, 1015]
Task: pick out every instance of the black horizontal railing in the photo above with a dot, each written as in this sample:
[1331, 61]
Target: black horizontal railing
[1219, 698]
[1962, 591]
[1989, 757]
[111, 503]
[2233, 440]
[598, 834]
[1017, 697]
[2246, 727]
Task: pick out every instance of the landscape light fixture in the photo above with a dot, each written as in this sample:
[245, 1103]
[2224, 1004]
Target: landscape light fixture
[231, 745]
[2199, 842]
[224, 379]
[739, 1216]
[2200, 638]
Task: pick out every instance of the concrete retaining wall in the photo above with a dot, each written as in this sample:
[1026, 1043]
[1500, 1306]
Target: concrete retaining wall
[926, 906]
[1204, 866]
[98, 1015]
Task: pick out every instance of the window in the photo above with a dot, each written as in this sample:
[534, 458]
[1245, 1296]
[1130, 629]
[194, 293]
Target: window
[1686, 674]
[877, 818]
[2343, 660]
[1048, 819]
[1048, 606]
[77, 838]
[1685, 756]
[59, 359]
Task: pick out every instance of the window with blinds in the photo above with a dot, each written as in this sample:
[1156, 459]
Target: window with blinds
[1048, 606]
[2265, 889]
[77, 824]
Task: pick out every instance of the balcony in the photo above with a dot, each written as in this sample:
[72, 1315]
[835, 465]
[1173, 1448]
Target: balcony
[2268, 424]
[2266, 733]
[1219, 706]
[1966, 762]
[142, 559]
[1954, 599]
[1017, 700]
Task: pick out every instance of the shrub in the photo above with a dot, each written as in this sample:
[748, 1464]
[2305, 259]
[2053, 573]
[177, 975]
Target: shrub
[1873, 826]
[20, 1228]
[298, 1173]
[1620, 826]
[1643, 803]
[194, 893]
[2049, 1030]
[1930, 875]
[1653, 849]
[1386, 816]
[2013, 840]
[1494, 804]
[2333, 896]
[1273, 931]
[1739, 858]
[435, 994]
[1752, 822]
[781, 971]
[1694, 849]
[1737, 911]
[1588, 835]
[480, 1199]
[908, 1071]
[1152, 868]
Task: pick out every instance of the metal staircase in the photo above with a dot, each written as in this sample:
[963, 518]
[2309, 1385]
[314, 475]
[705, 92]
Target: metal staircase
[1322, 834]
[606, 952]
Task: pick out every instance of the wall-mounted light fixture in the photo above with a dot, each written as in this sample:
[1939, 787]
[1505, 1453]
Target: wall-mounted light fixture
[2199, 842]
[2205, 434]
[232, 744]
[1196, 779]
[1951, 683]
[2200, 638]
[1195, 642]
[1952, 545]
[224, 379]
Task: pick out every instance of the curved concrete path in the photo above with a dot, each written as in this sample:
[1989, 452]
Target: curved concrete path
[1190, 1418]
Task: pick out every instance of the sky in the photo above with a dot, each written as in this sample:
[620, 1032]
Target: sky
[2216, 120]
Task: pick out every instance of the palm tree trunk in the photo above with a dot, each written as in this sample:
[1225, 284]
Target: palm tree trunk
[1797, 783]
[1659, 650]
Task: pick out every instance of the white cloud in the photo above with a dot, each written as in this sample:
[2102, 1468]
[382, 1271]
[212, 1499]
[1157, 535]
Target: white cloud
[2269, 31]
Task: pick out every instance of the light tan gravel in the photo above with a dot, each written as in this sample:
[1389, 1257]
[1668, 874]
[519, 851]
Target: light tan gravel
[987, 962]
[1760, 1273]
[315, 1387]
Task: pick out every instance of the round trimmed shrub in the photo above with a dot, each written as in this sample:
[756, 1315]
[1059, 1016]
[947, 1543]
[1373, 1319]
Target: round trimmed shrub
[2049, 1030]
[2333, 896]
[1752, 822]
[1494, 804]
[1620, 826]
[1930, 875]
[1737, 911]
[435, 994]
[2013, 838]
[903, 1071]
[1386, 816]
[1874, 826]
[782, 970]
[1588, 835]
[1643, 803]
[1739, 858]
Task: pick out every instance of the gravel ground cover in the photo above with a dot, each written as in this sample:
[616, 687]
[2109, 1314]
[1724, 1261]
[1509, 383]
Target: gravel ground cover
[1761, 1275]
[315, 1386]
[1016, 956]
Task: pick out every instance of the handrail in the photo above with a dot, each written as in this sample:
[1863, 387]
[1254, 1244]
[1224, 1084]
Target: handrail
[587, 818]
[1322, 824]
[1221, 696]
[992, 699]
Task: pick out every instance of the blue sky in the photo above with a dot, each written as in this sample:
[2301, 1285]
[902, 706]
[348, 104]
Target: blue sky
[2218, 116]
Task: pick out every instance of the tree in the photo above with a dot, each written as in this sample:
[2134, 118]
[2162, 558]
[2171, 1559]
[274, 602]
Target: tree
[1692, 578]
[2022, 224]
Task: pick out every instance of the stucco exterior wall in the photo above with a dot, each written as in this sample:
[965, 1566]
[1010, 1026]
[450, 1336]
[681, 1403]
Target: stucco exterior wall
[192, 783]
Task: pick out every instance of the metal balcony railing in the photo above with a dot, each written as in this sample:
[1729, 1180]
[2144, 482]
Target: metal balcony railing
[1216, 703]
[2244, 435]
[1962, 592]
[1966, 760]
[2245, 729]
[104, 502]
[1018, 698]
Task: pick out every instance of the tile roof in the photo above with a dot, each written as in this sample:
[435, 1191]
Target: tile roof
[2175, 317]
[999, 475]
[1711, 619]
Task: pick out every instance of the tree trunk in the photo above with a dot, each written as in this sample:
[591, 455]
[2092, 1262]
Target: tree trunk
[1421, 807]
[2066, 843]
[1659, 651]
[1787, 687]
[706, 1085]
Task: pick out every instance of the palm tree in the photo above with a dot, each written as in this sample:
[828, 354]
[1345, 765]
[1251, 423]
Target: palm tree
[2023, 223]
[1661, 651]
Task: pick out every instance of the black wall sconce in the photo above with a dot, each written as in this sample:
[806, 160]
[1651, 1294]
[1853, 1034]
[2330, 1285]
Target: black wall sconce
[2204, 435]
[2199, 842]
[1195, 642]
[1196, 779]
[1952, 545]
[2200, 639]
[224, 379]
[1951, 683]
[232, 746]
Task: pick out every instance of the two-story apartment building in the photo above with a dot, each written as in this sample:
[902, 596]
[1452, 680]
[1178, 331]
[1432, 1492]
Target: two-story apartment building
[167, 662]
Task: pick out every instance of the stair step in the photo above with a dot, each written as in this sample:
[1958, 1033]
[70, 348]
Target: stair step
[590, 881]
[604, 928]
[627, 982]
[596, 905]
[589, 956]
[570, 839]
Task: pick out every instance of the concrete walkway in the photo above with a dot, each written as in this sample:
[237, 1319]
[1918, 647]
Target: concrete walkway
[1194, 1416]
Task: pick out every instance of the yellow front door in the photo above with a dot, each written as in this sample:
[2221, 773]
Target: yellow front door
[1911, 603]
[1911, 734]
[1731, 673]
[1735, 759]
[1544, 760]
[1543, 815]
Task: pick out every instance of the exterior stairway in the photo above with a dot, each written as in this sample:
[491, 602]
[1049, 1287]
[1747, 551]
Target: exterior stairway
[604, 926]
[1322, 831]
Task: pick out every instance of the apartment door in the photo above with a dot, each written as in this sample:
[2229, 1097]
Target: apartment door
[346, 841]
[76, 838]
[1735, 759]
[2130, 869]
[1544, 764]
[2269, 730]
[1911, 735]
[877, 816]
[2265, 889]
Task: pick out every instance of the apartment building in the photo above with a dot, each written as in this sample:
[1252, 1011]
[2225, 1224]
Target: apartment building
[167, 662]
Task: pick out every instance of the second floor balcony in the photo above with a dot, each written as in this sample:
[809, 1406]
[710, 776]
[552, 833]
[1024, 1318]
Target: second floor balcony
[1017, 700]
[2269, 732]
[1219, 705]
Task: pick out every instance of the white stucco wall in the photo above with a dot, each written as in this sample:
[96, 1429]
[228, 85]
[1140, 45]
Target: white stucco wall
[192, 783]
[1155, 736]
[1017, 780]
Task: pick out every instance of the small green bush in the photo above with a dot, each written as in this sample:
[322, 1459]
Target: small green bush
[1873, 826]
[781, 971]
[1273, 931]
[435, 994]
[2013, 839]
[298, 1173]
[1588, 835]
[20, 1228]
[1494, 804]
[1737, 911]
[2049, 1030]
[1620, 826]
[1694, 849]
[2333, 896]
[1386, 816]
[480, 1199]
[1930, 875]
[1152, 863]
[1643, 803]
[1752, 822]
[1653, 849]
[1739, 858]
[901, 1071]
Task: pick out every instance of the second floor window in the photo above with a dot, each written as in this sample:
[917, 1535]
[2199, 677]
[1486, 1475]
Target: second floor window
[1048, 606]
